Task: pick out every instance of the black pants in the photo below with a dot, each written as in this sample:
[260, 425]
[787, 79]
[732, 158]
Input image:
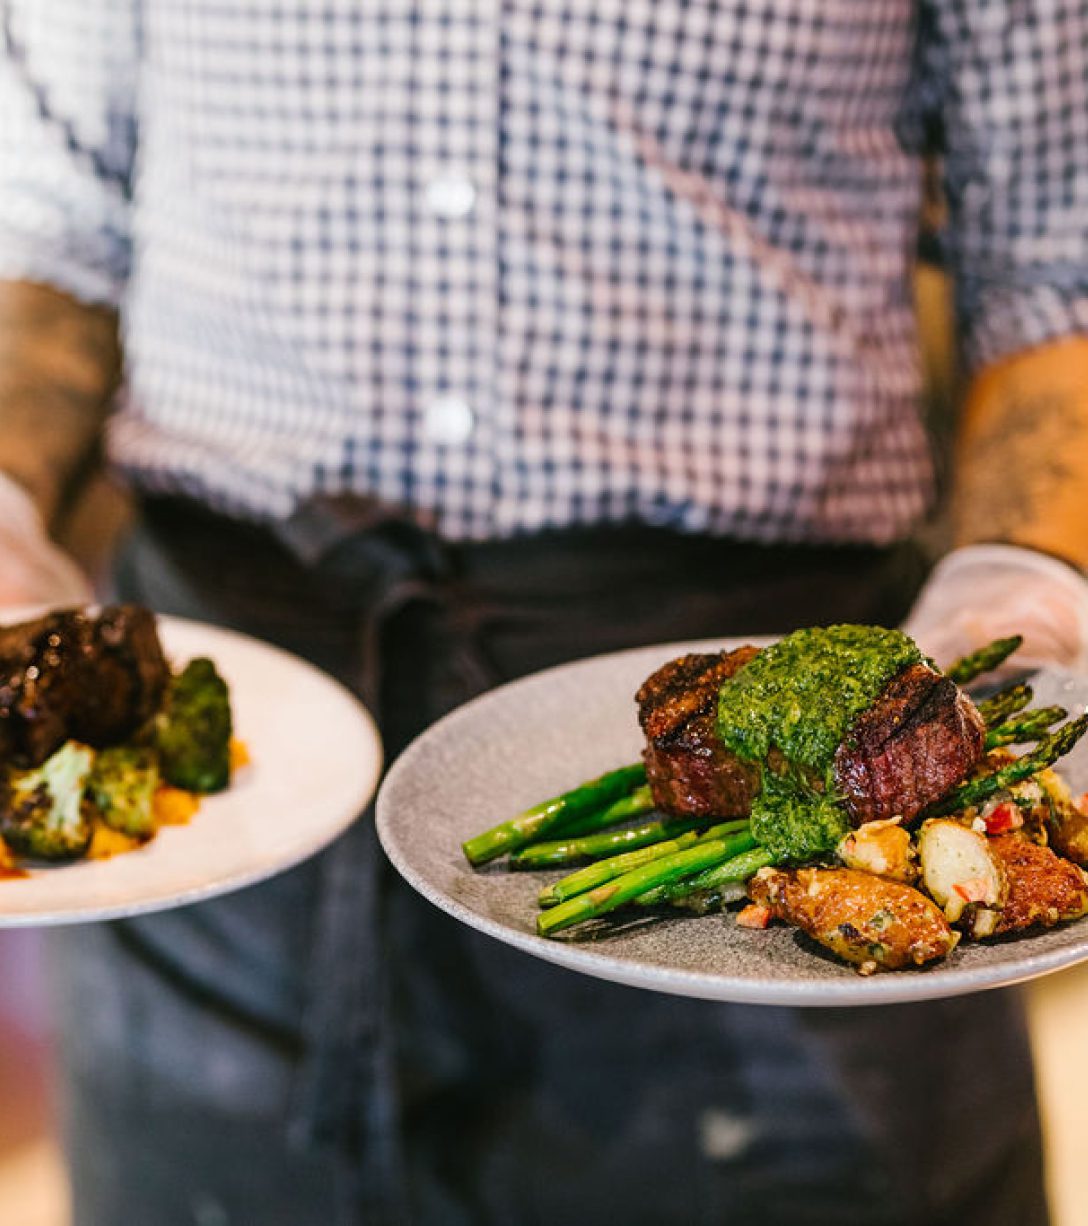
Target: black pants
[328, 1048]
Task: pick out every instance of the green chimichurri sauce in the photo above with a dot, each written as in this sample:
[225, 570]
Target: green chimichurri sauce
[800, 697]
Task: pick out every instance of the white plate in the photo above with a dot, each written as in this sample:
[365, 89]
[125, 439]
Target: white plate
[315, 760]
[542, 735]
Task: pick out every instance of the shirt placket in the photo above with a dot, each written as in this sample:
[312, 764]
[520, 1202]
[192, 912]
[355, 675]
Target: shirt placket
[453, 212]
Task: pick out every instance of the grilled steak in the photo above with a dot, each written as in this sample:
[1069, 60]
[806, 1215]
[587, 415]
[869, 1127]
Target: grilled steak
[690, 772]
[71, 675]
[125, 674]
[919, 739]
[38, 662]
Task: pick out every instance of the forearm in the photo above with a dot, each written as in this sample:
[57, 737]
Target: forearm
[59, 365]
[1021, 473]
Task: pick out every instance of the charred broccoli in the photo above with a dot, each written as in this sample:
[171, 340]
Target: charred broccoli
[45, 811]
[122, 786]
[193, 730]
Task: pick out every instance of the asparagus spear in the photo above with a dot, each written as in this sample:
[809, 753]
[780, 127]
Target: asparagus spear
[1045, 754]
[612, 894]
[558, 852]
[549, 815]
[640, 801]
[593, 875]
[738, 868]
[1027, 726]
[996, 709]
[968, 667]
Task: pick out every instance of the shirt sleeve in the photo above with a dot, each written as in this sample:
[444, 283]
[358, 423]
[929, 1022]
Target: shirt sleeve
[1010, 80]
[67, 143]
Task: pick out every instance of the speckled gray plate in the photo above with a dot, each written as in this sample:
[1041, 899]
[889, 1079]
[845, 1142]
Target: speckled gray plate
[541, 735]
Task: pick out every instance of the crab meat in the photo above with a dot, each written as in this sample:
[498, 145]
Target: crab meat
[883, 848]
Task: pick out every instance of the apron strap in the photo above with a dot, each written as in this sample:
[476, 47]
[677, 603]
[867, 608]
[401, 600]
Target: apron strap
[346, 1088]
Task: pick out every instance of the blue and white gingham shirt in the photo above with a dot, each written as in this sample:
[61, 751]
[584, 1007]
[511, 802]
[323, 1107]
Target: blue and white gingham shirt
[526, 263]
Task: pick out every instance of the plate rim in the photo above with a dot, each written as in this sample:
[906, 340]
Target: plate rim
[915, 985]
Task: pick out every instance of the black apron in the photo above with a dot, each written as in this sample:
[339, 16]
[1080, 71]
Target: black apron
[328, 1048]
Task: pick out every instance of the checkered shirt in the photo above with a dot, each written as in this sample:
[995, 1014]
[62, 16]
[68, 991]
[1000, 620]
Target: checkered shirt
[515, 264]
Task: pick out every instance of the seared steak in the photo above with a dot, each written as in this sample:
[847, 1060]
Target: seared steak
[919, 739]
[71, 675]
[690, 772]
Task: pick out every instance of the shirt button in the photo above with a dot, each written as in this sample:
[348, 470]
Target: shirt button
[451, 197]
[448, 420]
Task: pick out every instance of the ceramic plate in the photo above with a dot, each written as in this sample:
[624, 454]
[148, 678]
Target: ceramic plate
[542, 735]
[315, 760]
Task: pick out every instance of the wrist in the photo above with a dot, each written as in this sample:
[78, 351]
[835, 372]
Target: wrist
[988, 555]
[1022, 453]
[1055, 545]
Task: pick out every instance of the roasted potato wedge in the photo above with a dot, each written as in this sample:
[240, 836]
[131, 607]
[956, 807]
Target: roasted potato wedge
[1043, 888]
[872, 922]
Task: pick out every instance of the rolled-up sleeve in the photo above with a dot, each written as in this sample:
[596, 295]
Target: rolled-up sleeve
[68, 75]
[1010, 78]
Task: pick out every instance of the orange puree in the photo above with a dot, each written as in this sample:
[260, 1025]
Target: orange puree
[8, 867]
[173, 807]
[106, 843]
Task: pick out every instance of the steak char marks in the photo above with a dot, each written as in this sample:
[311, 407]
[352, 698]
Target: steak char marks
[74, 675]
[919, 739]
[689, 770]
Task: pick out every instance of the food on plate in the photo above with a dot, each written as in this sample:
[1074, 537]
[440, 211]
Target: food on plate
[962, 873]
[8, 867]
[580, 810]
[1066, 821]
[867, 920]
[193, 730]
[122, 786]
[881, 847]
[95, 730]
[1044, 888]
[843, 784]
[689, 769]
[826, 729]
[46, 811]
[76, 676]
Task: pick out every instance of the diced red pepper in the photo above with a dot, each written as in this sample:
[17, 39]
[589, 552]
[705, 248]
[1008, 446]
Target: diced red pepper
[755, 915]
[1082, 803]
[972, 890]
[1003, 818]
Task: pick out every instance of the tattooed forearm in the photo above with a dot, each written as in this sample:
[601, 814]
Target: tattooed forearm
[59, 365]
[1019, 461]
[1022, 457]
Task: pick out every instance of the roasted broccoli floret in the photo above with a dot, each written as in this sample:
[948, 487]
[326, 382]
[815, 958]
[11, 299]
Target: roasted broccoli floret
[122, 786]
[193, 730]
[45, 811]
